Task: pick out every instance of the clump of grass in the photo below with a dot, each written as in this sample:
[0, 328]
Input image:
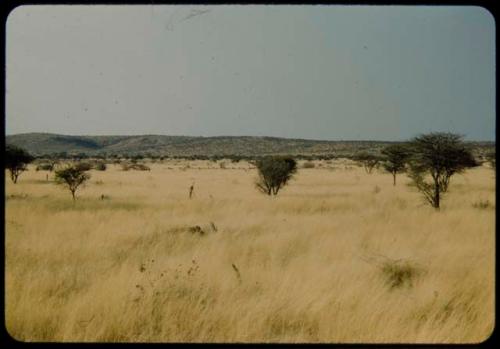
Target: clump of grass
[237, 271]
[308, 164]
[482, 204]
[377, 189]
[16, 196]
[196, 230]
[86, 204]
[135, 166]
[399, 273]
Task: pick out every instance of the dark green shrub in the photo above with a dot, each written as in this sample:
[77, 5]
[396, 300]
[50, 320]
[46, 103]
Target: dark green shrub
[274, 173]
[308, 164]
[16, 161]
[100, 166]
[83, 166]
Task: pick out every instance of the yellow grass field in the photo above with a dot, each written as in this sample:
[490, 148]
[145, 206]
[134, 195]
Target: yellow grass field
[339, 256]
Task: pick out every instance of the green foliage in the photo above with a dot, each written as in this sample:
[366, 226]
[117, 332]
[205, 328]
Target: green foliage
[438, 155]
[274, 173]
[367, 160]
[72, 177]
[395, 158]
[83, 166]
[16, 161]
[100, 166]
[308, 164]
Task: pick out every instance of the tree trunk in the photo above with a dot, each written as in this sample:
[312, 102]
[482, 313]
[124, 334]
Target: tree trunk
[394, 178]
[436, 194]
[73, 195]
[13, 176]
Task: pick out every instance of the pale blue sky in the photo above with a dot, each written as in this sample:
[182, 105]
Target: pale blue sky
[313, 72]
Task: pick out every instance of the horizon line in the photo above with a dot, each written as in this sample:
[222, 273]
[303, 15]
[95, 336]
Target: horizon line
[231, 136]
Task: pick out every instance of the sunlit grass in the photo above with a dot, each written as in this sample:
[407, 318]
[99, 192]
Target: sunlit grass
[310, 262]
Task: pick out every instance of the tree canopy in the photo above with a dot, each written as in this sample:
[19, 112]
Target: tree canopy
[72, 177]
[16, 161]
[395, 158]
[439, 155]
[274, 173]
[368, 160]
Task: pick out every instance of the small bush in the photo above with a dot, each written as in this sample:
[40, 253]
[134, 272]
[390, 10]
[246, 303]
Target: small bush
[196, 230]
[483, 204]
[308, 164]
[100, 166]
[399, 273]
[45, 167]
[134, 166]
[83, 166]
[274, 173]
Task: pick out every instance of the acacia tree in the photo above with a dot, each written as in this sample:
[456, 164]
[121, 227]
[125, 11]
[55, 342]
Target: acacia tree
[16, 161]
[369, 161]
[72, 177]
[439, 155]
[395, 159]
[274, 173]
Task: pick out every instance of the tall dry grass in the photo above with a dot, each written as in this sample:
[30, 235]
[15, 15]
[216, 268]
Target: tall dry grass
[331, 259]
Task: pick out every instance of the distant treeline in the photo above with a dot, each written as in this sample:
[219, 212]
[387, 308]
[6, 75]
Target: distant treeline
[233, 158]
[479, 151]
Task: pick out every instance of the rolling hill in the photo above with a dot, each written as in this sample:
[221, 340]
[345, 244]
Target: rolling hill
[48, 144]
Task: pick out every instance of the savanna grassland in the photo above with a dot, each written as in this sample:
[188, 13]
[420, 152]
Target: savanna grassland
[338, 256]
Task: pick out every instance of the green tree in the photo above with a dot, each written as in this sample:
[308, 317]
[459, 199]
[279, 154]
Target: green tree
[367, 160]
[16, 161]
[439, 155]
[274, 173]
[72, 177]
[395, 159]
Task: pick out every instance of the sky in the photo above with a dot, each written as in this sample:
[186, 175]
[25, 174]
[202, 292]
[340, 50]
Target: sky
[312, 72]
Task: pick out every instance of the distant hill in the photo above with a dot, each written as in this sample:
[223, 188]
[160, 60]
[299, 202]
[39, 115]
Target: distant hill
[47, 144]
